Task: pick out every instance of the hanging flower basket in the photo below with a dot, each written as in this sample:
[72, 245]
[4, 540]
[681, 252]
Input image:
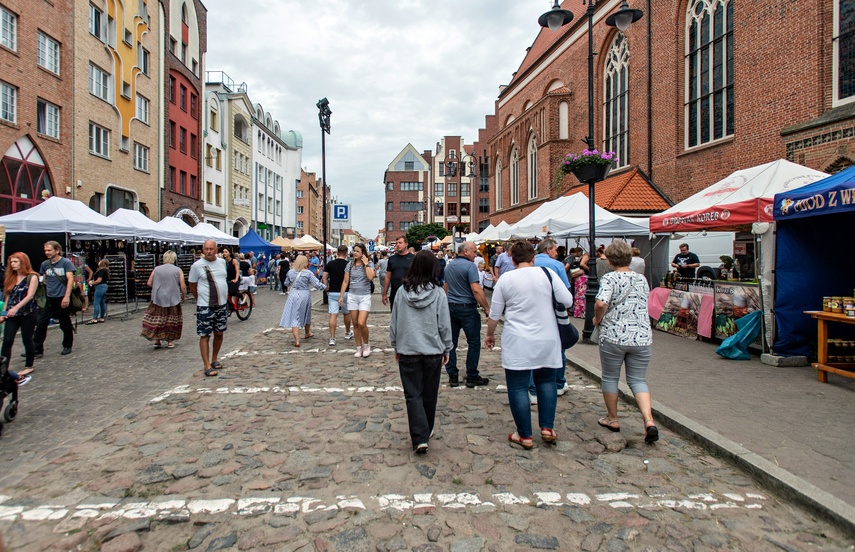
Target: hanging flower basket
[590, 165]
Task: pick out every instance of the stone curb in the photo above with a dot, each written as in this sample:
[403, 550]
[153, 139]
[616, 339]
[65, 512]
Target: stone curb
[765, 472]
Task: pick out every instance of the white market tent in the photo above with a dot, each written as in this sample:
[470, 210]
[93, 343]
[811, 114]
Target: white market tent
[210, 232]
[180, 228]
[307, 243]
[488, 233]
[70, 216]
[146, 228]
[568, 216]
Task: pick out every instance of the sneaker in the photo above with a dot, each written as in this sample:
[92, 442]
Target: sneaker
[332, 342]
[23, 380]
[422, 448]
[349, 335]
[366, 351]
[282, 293]
[358, 352]
[532, 399]
[453, 381]
[66, 351]
[562, 389]
[470, 383]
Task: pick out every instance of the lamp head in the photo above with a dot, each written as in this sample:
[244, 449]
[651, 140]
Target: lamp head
[555, 18]
[624, 17]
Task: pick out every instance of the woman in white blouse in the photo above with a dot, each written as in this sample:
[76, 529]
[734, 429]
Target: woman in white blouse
[625, 337]
[530, 343]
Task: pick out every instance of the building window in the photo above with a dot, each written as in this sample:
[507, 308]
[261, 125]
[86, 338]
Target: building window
[173, 184]
[209, 192]
[407, 225]
[484, 205]
[390, 186]
[99, 83]
[172, 89]
[172, 134]
[411, 206]
[452, 189]
[709, 68]
[215, 124]
[616, 104]
[464, 189]
[438, 189]
[47, 118]
[299, 209]
[390, 226]
[484, 185]
[390, 205]
[499, 185]
[119, 199]
[8, 29]
[192, 185]
[209, 157]
[142, 109]
[182, 183]
[193, 101]
[844, 51]
[515, 177]
[412, 186]
[438, 209]
[96, 26]
[143, 59]
[452, 209]
[532, 168]
[409, 165]
[8, 102]
[99, 140]
[193, 146]
[299, 194]
[140, 157]
[219, 196]
[182, 98]
[182, 140]
[48, 54]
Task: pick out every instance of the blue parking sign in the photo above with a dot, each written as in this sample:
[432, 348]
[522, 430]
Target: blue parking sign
[340, 212]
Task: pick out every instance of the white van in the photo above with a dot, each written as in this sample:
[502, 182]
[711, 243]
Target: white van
[707, 247]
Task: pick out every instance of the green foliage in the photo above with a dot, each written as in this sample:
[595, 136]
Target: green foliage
[417, 235]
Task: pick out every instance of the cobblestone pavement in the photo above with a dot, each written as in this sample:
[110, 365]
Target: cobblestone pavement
[119, 447]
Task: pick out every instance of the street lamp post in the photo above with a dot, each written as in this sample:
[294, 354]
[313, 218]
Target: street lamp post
[554, 19]
[324, 113]
[452, 165]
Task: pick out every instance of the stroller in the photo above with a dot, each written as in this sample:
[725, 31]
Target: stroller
[8, 388]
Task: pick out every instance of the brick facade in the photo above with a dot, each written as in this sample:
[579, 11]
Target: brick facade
[782, 102]
[411, 205]
[19, 68]
[308, 203]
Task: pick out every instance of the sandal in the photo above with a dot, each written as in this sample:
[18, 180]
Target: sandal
[158, 345]
[26, 372]
[216, 365]
[548, 435]
[524, 442]
[296, 344]
[609, 424]
[170, 345]
[308, 336]
[93, 321]
[651, 433]
[210, 372]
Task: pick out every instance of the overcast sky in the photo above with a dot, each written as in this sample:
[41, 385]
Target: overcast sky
[395, 72]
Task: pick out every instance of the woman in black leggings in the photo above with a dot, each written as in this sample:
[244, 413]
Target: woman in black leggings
[20, 309]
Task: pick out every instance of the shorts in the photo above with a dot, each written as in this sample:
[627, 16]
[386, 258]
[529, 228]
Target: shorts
[211, 319]
[334, 307]
[358, 302]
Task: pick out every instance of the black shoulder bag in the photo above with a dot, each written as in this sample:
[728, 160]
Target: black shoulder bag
[566, 331]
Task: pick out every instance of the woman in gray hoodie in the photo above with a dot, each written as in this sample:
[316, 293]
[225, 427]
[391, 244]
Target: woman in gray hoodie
[420, 332]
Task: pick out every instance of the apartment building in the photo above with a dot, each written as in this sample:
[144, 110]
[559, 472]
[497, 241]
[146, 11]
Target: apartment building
[215, 208]
[407, 186]
[308, 201]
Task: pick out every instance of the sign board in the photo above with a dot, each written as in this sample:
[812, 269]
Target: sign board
[340, 217]
[371, 246]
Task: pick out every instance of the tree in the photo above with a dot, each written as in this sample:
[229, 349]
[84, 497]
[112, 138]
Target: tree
[417, 235]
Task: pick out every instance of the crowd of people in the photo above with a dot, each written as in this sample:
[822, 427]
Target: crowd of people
[432, 299]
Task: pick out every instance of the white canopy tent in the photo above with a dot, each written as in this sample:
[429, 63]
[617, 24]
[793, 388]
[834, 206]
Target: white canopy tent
[182, 229]
[489, 233]
[210, 232]
[70, 216]
[146, 228]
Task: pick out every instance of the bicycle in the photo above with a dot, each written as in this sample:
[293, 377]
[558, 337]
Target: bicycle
[241, 305]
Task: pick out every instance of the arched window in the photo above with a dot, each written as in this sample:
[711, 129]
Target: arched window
[24, 178]
[532, 168]
[499, 184]
[515, 177]
[709, 71]
[616, 105]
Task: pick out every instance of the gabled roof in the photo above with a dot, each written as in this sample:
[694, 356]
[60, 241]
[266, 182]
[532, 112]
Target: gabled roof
[627, 192]
[546, 39]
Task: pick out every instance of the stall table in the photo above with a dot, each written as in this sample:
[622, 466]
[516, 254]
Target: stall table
[822, 365]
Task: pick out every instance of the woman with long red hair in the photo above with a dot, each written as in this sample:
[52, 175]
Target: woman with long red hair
[20, 310]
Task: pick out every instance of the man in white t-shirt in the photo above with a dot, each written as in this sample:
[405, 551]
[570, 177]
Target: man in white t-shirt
[208, 285]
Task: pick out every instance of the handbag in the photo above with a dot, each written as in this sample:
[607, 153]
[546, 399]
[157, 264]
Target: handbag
[41, 295]
[75, 300]
[566, 331]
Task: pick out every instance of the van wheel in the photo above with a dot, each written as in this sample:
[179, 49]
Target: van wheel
[706, 273]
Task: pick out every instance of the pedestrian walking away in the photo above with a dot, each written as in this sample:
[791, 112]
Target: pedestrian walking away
[99, 283]
[396, 269]
[20, 310]
[297, 312]
[420, 333]
[463, 288]
[284, 269]
[530, 343]
[163, 319]
[357, 283]
[208, 284]
[58, 277]
[332, 278]
[626, 338]
[547, 256]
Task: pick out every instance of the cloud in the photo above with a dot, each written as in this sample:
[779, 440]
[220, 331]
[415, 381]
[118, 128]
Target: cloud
[394, 73]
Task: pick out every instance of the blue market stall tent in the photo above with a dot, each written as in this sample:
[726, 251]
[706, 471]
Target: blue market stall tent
[814, 256]
[251, 241]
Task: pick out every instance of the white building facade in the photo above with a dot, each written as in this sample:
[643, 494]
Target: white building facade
[213, 150]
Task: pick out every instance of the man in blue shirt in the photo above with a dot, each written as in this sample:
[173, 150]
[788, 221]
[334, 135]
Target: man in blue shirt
[315, 265]
[504, 263]
[547, 253]
[463, 287]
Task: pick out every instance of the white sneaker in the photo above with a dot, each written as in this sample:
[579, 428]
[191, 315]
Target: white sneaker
[349, 335]
[562, 389]
[532, 399]
[358, 352]
[366, 350]
[332, 342]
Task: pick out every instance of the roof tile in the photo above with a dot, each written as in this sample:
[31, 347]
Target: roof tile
[629, 192]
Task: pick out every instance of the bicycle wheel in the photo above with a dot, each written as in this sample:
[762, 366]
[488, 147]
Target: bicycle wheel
[244, 305]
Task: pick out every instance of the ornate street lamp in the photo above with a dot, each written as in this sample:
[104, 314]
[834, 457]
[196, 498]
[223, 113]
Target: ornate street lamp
[324, 113]
[622, 19]
[453, 165]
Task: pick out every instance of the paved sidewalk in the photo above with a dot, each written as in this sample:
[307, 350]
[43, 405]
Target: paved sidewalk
[780, 424]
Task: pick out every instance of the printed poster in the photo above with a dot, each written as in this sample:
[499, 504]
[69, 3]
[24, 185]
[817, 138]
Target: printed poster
[733, 301]
[680, 313]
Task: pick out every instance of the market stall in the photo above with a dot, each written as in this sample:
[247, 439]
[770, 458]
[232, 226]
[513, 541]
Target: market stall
[306, 243]
[740, 203]
[210, 232]
[813, 261]
[251, 241]
[284, 244]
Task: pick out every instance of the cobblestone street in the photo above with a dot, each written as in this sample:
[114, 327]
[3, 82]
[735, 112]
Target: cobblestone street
[119, 446]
